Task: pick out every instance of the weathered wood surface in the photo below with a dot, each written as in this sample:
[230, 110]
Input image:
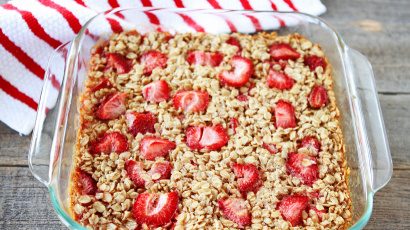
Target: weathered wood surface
[380, 29]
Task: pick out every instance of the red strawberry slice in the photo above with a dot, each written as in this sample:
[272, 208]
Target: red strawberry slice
[234, 123]
[285, 115]
[242, 70]
[153, 59]
[283, 51]
[140, 122]
[248, 177]
[279, 80]
[314, 61]
[203, 58]
[104, 83]
[303, 166]
[319, 213]
[108, 143]
[163, 169]
[318, 97]
[135, 170]
[235, 209]
[234, 42]
[87, 185]
[206, 137]
[156, 91]
[311, 143]
[291, 208]
[191, 101]
[118, 62]
[153, 147]
[242, 97]
[271, 148]
[112, 106]
[156, 209]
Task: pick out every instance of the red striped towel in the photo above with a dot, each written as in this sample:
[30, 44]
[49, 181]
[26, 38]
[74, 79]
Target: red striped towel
[31, 29]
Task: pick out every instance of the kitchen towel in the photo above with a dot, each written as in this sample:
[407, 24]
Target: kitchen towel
[30, 30]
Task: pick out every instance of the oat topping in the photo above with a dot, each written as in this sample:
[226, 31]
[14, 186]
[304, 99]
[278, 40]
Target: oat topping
[203, 131]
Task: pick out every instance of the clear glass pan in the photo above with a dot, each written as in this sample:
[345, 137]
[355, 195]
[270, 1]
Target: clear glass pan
[367, 149]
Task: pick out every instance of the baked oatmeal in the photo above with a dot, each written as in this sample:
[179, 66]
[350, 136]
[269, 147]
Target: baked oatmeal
[202, 131]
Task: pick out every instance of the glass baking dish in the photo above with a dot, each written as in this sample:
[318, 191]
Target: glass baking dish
[54, 136]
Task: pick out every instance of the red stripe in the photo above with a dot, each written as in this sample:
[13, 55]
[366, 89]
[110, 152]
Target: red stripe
[231, 26]
[188, 20]
[115, 25]
[152, 18]
[113, 3]
[146, 2]
[72, 20]
[80, 2]
[179, 4]
[281, 22]
[255, 22]
[17, 94]
[246, 5]
[214, 4]
[290, 4]
[34, 26]
[274, 7]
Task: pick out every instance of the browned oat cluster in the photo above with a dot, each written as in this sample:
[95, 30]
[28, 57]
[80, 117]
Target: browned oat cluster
[202, 131]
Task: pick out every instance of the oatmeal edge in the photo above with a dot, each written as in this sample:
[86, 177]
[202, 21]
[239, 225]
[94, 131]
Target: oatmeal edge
[203, 177]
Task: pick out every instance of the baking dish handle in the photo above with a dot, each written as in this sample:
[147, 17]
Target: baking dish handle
[381, 164]
[43, 143]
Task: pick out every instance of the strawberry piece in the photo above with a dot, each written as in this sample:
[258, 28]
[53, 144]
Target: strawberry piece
[163, 169]
[140, 122]
[291, 208]
[203, 58]
[285, 115]
[104, 83]
[279, 80]
[283, 51]
[318, 212]
[318, 97]
[235, 209]
[112, 106]
[242, 70]
[153, 147]
[135, 170]
[234, 42]
[271, 148]
[156, 209]
[314, 61]
[303, 166]
[156, 91]
[206, 137]
[242, 97]
[234, 123]
[118, 62]
[108, 143]
[191, 101]
[248, 177]
[311, 143]
[153, 59]
[87, 185]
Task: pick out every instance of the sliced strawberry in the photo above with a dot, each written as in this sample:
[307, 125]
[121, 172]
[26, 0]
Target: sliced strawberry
[108, 143]
[285, 115]
[235, 209]
[271, 148]
[135, 170]
[87, 185]
[156, 91]
[140, 122]
[155, 209]
[311, 143]
[318, 97]
[163, 169]
[242, 97]
[234, 123]
[104, 83]
[279, 80]
[118, 62]
[242, 70]
[318, 212]
[291, 208]
[234, 42]
[314, 61]
[303, 166]
[248, 177]
[153, 147]
[203, 58]
[283, 51]
[112, 106]
[153, 59]
[206, 137]
[191, 101]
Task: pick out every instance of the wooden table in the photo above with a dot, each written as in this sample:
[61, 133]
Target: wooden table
[380, 29]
